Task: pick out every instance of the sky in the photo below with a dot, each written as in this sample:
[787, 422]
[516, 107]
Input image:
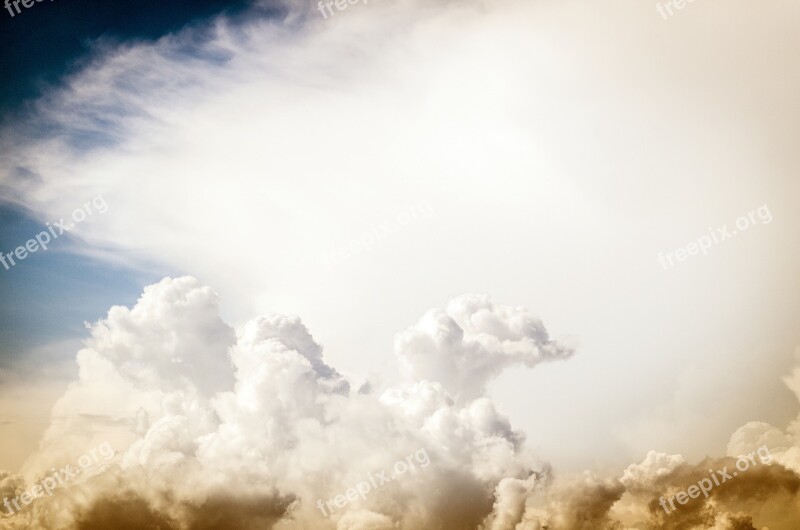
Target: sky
[488, 215]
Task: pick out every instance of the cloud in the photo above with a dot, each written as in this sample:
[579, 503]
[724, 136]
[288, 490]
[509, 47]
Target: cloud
[471, 342]
[763, 494]
[278, 432]
[253, 427]
[766, 496]
[365, 520]
[253, 423]
[581, 502]
[257, 144]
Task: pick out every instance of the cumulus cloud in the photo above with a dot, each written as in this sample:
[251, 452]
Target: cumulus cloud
[277, 432]
[766, 496]
[249, 144]
[763, 490]
[577, 502]
[253, 427]
[471, 342]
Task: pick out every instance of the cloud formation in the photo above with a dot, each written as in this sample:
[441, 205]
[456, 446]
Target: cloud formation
[256, 142]
[767, 495]
[254, 427]
[470, 342]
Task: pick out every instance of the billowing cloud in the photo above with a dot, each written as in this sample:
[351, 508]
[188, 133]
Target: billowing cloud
[255, 428]
[756, 486]
[252, 428]
[471, 342]
[259, 144]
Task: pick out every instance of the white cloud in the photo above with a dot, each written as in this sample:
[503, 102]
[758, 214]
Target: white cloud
[289, 430]
[560, 145]
[471, 342]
